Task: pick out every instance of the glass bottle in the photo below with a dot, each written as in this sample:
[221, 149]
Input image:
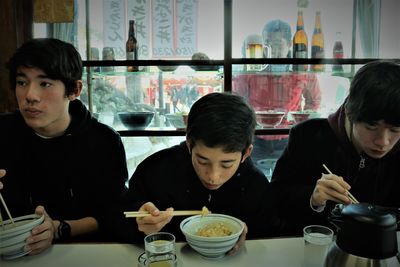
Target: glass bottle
[317, 43]
[300, 42]
[338, 53]
[131, 46]
[108, 54]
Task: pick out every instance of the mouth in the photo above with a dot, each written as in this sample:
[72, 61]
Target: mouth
[211, 186]
[378, 152]
[31, 112]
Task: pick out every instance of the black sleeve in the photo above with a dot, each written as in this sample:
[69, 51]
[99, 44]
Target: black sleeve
[293, 182]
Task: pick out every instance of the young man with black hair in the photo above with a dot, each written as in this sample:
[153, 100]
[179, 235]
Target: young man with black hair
[56, 159]
[212, 168]
[359, 143]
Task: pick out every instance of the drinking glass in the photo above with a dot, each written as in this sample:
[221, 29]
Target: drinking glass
[317, 240]
[159, 250]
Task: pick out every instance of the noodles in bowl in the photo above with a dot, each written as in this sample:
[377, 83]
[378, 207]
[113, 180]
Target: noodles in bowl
[214, 229]
[212, 235]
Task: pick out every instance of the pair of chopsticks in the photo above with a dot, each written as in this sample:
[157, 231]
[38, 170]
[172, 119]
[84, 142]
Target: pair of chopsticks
[8, 212]
[352, 198]
[135, 214]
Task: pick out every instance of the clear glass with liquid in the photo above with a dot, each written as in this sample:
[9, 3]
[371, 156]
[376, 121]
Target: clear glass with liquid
[159, 250]
[317, 240]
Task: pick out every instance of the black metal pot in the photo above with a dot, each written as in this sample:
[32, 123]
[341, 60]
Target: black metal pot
[366, 230]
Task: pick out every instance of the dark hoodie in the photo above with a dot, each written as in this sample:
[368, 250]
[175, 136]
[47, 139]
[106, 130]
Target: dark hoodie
[168, 179]
[324, 141]
[79, 174]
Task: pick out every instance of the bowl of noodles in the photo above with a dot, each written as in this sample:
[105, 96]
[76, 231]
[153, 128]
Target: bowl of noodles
[212, 235]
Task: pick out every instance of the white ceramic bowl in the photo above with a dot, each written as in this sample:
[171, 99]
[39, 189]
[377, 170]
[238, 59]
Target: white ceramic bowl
[211, 247]
[12, 237]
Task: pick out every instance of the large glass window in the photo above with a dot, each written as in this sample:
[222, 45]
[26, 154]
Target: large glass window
[281, 92]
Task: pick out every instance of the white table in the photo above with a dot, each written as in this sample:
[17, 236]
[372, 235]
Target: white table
[269, 252]
[279, 252]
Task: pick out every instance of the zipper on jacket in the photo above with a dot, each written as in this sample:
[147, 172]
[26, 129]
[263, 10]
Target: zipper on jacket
[71, 193]
[209, 198]
[361, 165]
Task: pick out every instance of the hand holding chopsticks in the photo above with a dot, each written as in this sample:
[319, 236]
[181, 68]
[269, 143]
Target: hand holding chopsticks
[351, 197]
[135, 214]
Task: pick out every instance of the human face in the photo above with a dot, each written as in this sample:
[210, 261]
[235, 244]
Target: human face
[213, 166]
[278, 44]
[375, 139]
[42, 101]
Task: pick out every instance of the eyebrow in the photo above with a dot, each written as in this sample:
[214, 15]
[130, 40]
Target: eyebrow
[223, 161]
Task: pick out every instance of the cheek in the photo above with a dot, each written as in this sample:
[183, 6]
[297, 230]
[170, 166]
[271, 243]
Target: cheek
[19, 94]
[395, 139]
[362, 136]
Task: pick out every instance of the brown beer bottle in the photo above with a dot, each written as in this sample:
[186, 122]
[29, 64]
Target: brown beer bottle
[131, 46]
[317, 43]
[300, 42]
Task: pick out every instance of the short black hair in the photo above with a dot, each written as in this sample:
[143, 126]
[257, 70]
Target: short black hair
[221, 120]
[58, 59]
[375, 94]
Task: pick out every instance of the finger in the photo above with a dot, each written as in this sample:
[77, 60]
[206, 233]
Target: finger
[338, 197]
[338, 179]
[2, 172]
[333, 183]
[323, 193]
[150, 207]
[38, 247]
[39, 242]
[240, 241]
[40, 210]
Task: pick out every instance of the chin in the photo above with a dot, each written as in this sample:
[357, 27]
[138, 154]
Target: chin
[376, 155]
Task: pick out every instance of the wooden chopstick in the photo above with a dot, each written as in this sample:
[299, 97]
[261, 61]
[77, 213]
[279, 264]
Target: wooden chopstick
[352, 198]
[135, 214]
[5, 207]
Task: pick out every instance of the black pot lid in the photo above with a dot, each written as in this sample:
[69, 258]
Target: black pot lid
[369, 214]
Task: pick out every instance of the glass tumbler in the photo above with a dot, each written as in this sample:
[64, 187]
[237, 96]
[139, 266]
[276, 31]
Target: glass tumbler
[317, 240]
[160, 250]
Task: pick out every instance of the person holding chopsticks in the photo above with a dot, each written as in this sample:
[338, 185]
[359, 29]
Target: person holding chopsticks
[212, 168]
[351, 156]
[58, 160]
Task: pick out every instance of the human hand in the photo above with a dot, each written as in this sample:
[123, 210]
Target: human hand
[42, 235]
[330, 187]
[240, 242]
[155, 222]
[2, 173]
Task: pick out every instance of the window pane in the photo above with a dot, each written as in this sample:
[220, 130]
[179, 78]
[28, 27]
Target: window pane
[375, 24]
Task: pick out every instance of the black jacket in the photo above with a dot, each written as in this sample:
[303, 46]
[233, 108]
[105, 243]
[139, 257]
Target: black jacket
[81, 173]
[167, 179]
[324, 141]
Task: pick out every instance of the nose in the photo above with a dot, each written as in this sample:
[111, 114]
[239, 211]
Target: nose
[31, 94]
[382, 138]
[213, 174]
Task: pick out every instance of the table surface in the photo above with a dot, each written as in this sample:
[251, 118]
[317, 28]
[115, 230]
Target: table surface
[285, 252]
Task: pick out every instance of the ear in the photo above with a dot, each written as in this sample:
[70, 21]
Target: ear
[247, 153]
[77, 92]
[188, 145]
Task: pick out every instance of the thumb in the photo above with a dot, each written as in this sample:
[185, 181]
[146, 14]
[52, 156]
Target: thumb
[40, 210]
